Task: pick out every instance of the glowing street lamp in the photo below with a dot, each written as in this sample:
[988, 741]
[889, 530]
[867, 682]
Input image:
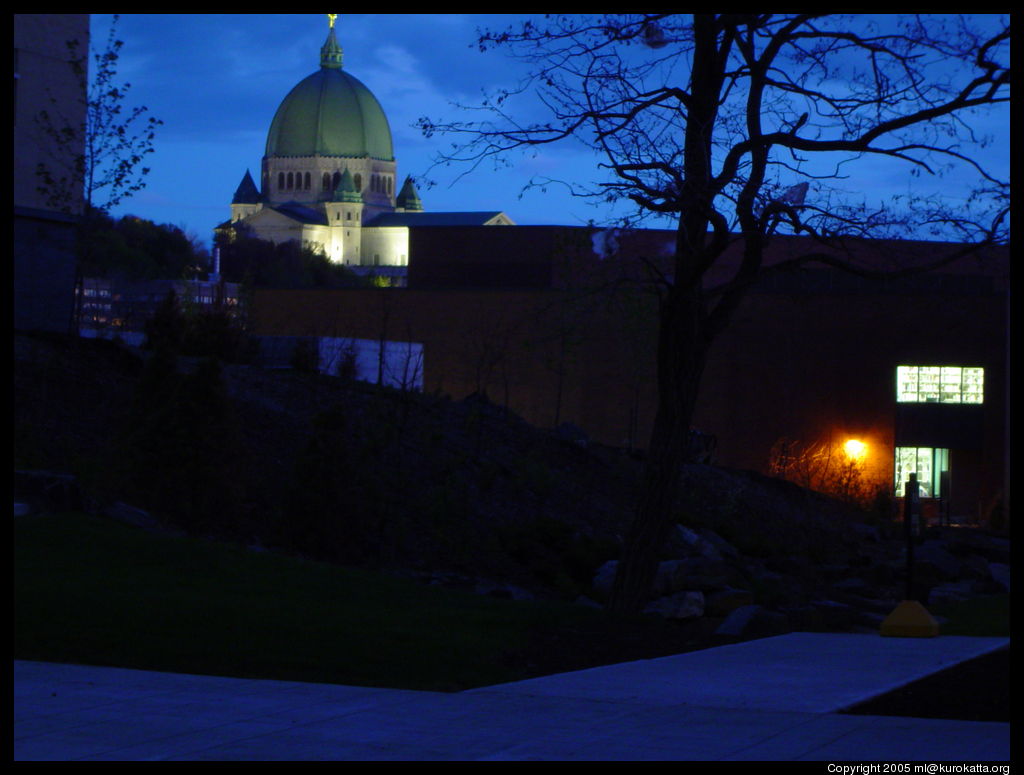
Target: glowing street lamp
[855, 450]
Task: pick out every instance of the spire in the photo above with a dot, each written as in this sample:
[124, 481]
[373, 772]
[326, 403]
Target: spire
[408, 198]
[346, 190]
[331, 55]
[247, 193]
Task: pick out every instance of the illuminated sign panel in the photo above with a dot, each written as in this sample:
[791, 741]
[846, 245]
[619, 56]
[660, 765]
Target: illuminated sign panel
[940, 384]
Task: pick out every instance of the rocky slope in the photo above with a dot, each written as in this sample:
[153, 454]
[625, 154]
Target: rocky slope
[463, 493]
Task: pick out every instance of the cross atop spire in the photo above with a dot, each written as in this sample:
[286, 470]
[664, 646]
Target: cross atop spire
[331, 55]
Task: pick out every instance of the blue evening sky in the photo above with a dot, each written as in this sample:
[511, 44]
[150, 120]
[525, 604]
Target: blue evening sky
[217, 79]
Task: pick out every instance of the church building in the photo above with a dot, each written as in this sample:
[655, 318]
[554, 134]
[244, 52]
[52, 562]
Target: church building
[329, 176]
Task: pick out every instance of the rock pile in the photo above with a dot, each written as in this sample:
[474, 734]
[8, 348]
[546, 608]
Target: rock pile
[705, 575]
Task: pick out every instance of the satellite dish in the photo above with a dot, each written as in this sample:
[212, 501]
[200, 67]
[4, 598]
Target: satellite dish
[653, 36]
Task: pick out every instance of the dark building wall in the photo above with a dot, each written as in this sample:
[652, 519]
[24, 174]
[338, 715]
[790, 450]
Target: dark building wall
[804, 359]
[44, 225]
[820, 366]
[488, 257]
[552, 356]
[44, 271]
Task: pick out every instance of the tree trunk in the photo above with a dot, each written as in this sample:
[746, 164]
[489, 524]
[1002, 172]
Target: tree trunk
[682, 334]
[681, 356]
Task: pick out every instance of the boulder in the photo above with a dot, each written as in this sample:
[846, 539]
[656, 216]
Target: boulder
[503, 591]
[1000, 574]
[605, 576]
[663, 580]
[130, 515]
[724, 548]
[48, 491]
[976, 567]
[992, 548]
[724, 601]
[751, 621]
[951, 592]
[791, 565]
[866, 532]
[823, 615]
[691, 573]
[680, 605]
[853, 584]
[880, 574]
[867, 604]
[684, 542]
[700, 573]
[934, 554]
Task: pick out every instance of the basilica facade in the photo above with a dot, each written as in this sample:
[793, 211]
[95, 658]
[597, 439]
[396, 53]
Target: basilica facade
[329, 177]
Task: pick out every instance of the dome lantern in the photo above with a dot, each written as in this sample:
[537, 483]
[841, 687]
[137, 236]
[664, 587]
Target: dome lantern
[331, 54]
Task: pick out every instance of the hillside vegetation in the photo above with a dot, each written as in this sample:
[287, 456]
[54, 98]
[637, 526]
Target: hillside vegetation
[347, 472]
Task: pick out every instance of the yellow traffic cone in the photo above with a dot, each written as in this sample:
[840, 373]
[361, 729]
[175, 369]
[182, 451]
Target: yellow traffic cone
[910, 619]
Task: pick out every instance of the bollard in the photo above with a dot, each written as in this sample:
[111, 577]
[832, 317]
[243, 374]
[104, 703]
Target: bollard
[910, 619]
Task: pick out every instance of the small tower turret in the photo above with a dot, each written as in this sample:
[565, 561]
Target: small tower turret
[408, 200]
[344, 212]
[247, 199]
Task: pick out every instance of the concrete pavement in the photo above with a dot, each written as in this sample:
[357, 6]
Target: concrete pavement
[772, 699]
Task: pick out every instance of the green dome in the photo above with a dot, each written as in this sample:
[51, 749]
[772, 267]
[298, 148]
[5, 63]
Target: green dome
[330, 113]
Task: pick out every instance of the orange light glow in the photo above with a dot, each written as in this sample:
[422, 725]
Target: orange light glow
[855, 449]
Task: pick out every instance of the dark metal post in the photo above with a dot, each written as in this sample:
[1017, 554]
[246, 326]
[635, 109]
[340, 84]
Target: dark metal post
[944, 499]
[911, 507]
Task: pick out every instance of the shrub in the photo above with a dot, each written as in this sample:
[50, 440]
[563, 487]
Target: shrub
[178, 455]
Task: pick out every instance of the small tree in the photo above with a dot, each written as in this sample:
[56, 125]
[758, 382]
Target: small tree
[115, 139]
[739, 127]
[824, 466]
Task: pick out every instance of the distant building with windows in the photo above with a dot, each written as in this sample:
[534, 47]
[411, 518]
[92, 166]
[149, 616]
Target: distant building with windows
[329, 177]
[119, 309]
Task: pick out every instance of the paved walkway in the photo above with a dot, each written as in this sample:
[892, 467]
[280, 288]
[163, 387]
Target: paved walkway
[772, 699]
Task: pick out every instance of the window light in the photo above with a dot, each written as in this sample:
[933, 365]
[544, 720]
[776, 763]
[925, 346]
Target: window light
[940, 384]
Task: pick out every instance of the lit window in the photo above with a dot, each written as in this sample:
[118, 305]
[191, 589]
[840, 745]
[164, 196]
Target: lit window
[927, 462]
[940, 384]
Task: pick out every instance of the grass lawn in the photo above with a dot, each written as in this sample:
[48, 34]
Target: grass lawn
[93, 591]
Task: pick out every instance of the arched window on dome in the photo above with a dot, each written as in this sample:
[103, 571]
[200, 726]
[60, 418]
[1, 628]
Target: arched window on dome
[306, 182]
[280, 181]
[291, 181]
[359, 182]
[389, 185]
[335, 180]
[327, 181]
